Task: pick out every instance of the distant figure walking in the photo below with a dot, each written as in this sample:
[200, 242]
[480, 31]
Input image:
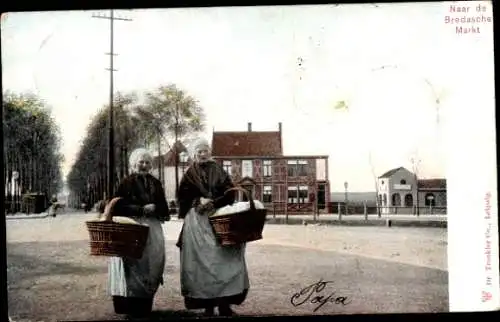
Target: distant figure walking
[53, 206]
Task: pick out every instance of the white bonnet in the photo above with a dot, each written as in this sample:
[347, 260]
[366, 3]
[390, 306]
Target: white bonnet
[136, 155]
[196, 145]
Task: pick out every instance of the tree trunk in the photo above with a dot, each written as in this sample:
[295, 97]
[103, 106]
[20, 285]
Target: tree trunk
[160, 160]
[176, 157]
[125, 158]
[120, 162]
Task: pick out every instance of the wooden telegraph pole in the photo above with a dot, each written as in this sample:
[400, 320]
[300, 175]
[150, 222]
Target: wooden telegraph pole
[111, 136]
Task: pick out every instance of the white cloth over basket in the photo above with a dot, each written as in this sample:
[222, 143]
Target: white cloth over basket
[209, 270]
[140, 277]
[237, 207]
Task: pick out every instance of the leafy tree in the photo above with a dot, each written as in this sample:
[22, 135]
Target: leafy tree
[169, 114]
[88, 176]
[31, 144]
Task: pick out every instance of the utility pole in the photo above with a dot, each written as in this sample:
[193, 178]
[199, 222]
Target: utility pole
[111, 134]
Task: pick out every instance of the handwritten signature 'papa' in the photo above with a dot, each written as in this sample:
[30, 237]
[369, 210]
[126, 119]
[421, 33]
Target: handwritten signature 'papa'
[313, 294]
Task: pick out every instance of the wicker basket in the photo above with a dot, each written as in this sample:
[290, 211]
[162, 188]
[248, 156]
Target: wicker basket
[108, 238]
[240, 227]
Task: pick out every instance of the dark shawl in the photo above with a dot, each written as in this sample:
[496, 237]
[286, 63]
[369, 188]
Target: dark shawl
[208, 180]
[138, 190]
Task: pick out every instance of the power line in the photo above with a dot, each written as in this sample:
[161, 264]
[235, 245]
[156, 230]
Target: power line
[111, 137]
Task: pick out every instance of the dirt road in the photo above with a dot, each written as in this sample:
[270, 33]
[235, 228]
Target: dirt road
[379, 269]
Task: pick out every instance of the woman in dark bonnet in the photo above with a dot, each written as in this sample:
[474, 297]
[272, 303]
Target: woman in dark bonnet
[133, 282]
[211, 275]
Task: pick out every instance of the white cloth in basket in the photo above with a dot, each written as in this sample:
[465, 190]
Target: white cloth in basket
[120, 220]
[237, 207]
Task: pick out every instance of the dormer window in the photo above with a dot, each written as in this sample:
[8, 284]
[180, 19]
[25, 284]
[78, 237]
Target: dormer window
[403, 181]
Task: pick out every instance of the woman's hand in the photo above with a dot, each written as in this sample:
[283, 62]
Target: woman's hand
[206, 207]
[149, 208]
[204, 201]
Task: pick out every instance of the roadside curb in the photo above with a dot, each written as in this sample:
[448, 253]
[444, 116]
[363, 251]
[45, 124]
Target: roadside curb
[383, 222]
[26, 217]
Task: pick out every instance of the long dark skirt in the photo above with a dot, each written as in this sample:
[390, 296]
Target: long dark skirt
[132, 305]
[193, 303]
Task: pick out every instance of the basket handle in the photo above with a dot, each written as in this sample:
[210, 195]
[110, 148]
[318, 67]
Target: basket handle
[245, 191]
[108, 210]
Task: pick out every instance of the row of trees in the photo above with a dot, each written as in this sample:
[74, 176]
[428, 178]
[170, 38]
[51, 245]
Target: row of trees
[158, 120]
[32, 158]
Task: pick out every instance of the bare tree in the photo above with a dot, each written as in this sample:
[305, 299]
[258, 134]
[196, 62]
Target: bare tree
[415, 161]
[375, 181]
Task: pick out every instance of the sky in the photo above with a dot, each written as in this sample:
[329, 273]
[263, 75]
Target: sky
[266, 65]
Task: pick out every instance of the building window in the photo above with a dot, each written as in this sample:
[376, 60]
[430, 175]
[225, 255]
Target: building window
[303, 194]
[292, 168]
[247, 168]
[396, 200]
[226, 165]
[430, 200]
[409, 200]
[403, 181]
[249, 190]
[298, 194]
[267, 167]
[267, 194]
[385, 199]
[292, 195]
[297, 168]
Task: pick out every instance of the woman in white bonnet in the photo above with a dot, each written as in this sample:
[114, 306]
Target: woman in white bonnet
[133, 282]
[211, 275]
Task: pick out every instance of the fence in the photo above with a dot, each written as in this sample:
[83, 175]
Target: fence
[392, 210]
[31, 203]
[292, 208]
[352, 209]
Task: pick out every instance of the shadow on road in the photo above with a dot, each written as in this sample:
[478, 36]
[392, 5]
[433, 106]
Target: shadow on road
[33, 260]
[169, 314]
[43, 277]
[25, 266]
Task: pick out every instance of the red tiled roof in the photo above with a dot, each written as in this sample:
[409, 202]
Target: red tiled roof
[246, 144]
[432, 183]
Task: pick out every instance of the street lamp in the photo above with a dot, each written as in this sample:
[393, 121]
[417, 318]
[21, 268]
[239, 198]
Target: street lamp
[184, 158]
[346, 199]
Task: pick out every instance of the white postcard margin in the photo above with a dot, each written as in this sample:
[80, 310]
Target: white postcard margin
[471, 165]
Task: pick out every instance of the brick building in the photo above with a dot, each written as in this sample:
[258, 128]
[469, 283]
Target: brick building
[255, 160]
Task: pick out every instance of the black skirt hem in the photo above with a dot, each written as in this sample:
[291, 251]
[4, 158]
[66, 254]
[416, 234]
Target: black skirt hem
[132, 305]
[196, 303]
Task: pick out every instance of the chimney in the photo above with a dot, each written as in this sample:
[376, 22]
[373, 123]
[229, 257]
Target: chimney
[279, 126]
[249, 127]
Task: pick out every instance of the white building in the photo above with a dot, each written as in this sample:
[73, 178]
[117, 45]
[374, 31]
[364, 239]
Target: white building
[168, 173]
[399, 191]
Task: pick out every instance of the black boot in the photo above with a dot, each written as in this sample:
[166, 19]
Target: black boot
[209, 311]
[225, 310]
